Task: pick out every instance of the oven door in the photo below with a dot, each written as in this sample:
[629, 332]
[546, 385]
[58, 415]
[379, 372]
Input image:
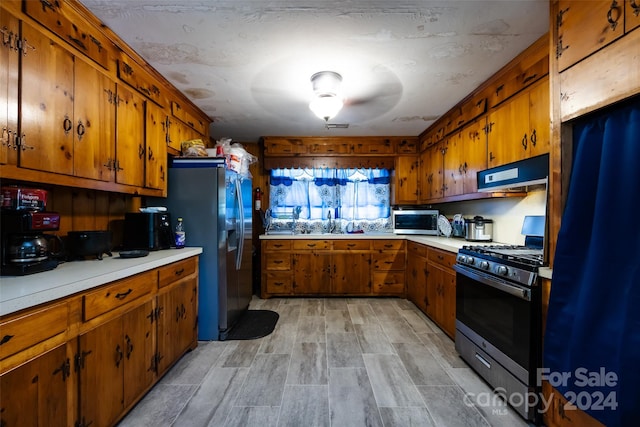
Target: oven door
[500, 317]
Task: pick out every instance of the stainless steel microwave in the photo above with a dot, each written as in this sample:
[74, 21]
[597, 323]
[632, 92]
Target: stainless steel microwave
[415, 221]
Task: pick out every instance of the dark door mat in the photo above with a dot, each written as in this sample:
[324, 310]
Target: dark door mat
[253, 324]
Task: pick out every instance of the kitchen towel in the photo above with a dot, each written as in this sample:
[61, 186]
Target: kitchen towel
[592, 337]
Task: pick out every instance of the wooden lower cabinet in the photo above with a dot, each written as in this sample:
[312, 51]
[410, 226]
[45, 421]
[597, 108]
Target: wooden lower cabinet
[431, 284]
[339, 267]
[177, 321]
[117, 358]
[88, 358]
[38, 392]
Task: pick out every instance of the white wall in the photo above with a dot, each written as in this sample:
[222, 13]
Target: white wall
[507, 213]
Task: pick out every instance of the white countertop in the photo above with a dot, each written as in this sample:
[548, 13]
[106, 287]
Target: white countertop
[20, 292]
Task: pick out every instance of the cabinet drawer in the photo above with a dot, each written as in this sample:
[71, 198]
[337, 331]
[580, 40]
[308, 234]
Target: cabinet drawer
[117, 294]
[388, 261]
[388, 283]
[277, 261]
[276, 245]
[278, 283]
[189, 119]
[139, 79]
[176, 271]
[330, 148]
[306, 245]
[446, 259]
[25, 331]
[385, 147]
[388, 245]
[416, 249]
[58, 17]
[284, 146]
[353, 245]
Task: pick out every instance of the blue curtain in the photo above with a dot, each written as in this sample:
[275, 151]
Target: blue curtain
[346, 193]
[593, 322]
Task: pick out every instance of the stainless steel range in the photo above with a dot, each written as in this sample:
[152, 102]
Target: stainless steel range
[498, 319]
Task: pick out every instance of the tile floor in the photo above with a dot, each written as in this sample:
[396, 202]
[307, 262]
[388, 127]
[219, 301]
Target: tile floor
[330, 362]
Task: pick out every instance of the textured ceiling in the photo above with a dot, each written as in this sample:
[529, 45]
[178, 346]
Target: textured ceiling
[247, 64]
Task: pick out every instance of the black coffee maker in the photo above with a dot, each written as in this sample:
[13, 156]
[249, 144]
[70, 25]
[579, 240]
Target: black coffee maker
[25, 247]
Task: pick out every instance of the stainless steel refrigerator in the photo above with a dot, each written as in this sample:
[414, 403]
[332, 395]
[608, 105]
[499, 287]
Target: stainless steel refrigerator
[215, 204]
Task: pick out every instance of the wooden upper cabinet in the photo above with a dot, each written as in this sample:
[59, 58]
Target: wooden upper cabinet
[474, 139]
[286, 146]
[130, 138]
[63, 20]
[406, 179]
[631, 15]
[156, 149]
[9, 61]
[329, 147]
[94, 123]
[139, 79]
[407, 145]
[431, 176]
[520, 128]
[47, 127]
[585, 26]
[188, 118]
[452, 166]
[384, 146]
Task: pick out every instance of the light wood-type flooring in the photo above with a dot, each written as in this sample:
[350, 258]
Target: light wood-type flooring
[340, 362]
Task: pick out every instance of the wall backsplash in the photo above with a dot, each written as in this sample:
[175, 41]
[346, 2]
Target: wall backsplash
[507, 213]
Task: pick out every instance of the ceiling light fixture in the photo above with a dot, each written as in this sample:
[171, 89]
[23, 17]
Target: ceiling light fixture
[327, 98]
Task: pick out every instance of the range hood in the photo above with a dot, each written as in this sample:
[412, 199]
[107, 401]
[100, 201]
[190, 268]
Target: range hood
[532, 171]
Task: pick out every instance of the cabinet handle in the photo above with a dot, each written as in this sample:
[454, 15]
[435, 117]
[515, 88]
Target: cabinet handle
[277, 261]
[635, 7]
[150, 153]
[6, 339]
[311, 245]
[116, 166]
[80, 130]
[524, 141]
[119, 355]
[141, 150]
[67, 125]
[179, 272]
[45, 4]
[534, 138]
[529, 78]
[613, 23]
[177, 313]
[123, 295]
[129, 346]
[64, 369]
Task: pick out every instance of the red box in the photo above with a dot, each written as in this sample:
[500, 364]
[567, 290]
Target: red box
[23, 198]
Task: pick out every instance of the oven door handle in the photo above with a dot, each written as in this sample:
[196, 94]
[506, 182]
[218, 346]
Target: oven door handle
[493, 282]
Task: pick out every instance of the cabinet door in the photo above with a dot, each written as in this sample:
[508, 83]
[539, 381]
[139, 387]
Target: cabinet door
[46, 105]
[9, 57]
[539, 119]
[36, 393]
[452, 169]
[475, 154]
[311, 273]
[407, 170]
[94, 123]
[631, 15]
[586, 26]
[433, 170]
[417, 280]
[508, 139]
[156, 148]
[130, 143]
[101, 352]
[447, 302]
[139, 350]
[176, 322]
[351, 273]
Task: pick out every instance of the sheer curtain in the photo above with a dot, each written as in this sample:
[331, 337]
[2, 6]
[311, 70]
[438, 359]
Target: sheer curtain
[353, 194]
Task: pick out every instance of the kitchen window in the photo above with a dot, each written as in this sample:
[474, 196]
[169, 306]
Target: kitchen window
[360, 197]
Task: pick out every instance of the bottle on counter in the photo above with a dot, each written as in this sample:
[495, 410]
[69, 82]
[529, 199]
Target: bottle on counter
[180, 235]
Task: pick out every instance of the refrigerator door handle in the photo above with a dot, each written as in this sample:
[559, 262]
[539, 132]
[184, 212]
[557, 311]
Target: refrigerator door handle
[240, 222]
